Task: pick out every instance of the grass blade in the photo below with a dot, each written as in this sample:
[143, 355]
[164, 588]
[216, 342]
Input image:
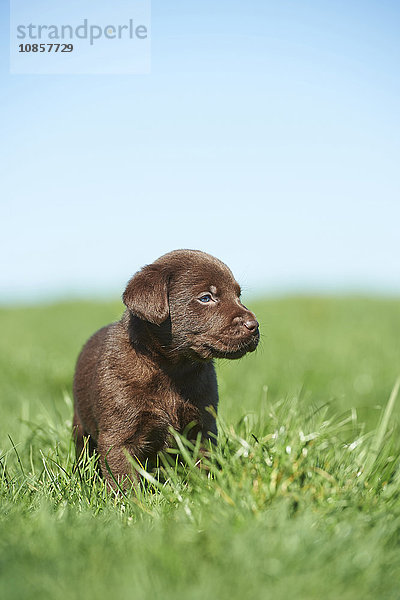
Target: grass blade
[376, 444]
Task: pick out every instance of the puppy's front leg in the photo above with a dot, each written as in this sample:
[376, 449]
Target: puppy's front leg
[113, 452]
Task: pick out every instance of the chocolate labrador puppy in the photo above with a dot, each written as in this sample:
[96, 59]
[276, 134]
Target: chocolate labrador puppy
[153, 369]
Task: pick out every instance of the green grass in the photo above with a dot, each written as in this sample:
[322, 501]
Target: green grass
[301, 497]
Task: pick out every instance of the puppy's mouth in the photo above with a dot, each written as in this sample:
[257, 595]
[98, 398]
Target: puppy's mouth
[233, 349]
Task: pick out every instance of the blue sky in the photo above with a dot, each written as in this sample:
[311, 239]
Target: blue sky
[268, 134]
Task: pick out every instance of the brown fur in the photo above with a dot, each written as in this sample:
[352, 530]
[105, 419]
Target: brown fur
[153, 369]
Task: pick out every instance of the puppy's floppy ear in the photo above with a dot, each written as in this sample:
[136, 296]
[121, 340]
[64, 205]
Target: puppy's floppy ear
[146, 294]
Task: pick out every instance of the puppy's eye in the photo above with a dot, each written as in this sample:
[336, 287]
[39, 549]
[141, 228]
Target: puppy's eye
[205, 298]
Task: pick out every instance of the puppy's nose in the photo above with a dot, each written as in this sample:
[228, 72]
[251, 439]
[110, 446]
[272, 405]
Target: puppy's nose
[251, 324]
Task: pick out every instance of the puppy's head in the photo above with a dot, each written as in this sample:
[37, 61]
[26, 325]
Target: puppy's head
[200, 298]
